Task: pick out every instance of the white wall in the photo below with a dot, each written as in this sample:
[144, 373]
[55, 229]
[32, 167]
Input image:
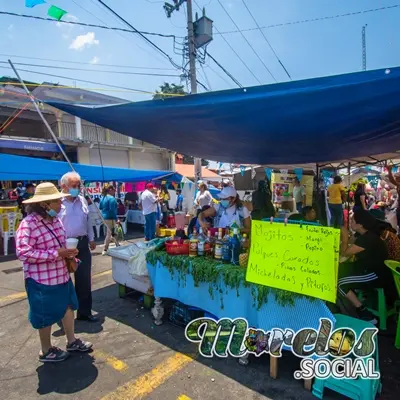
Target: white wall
[148, 160]
[83, 155]
[109, 157]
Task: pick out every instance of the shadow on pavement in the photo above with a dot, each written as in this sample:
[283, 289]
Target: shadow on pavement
[82, 327]
[255, 376]
[67, 377]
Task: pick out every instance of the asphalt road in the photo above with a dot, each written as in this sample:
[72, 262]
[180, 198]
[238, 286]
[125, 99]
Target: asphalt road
[133, 358]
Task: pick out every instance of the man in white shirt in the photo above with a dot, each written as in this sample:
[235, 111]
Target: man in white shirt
[299, 194]
[149, 207]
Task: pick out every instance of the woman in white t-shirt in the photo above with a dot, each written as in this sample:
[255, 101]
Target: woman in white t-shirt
[203, 197]
[230, 210]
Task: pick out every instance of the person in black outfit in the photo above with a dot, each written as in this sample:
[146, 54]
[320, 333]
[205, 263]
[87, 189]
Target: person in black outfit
[360, 197]
[368, 271]
[29, 192]
[262, 204]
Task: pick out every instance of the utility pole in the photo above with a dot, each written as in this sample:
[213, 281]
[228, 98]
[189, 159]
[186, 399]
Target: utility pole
[169, 9]
[364, 49]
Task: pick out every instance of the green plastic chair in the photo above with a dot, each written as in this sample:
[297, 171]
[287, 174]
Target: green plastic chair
[358, 389]
[395, 267]
[382, 312]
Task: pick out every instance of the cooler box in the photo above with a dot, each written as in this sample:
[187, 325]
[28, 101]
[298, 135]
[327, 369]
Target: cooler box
[120, 270]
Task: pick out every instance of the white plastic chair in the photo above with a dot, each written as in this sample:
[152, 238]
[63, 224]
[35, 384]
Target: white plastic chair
[123, 219]
[11, 219]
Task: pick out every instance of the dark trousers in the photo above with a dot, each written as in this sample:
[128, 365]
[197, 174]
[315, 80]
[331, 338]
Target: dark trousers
[83, 278]
[337, 216]
[150, 226]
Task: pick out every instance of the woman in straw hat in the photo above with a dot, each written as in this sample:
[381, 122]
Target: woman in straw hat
[41, 246]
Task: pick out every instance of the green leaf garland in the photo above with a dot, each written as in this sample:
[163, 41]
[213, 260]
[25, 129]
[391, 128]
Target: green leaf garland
[207, 270]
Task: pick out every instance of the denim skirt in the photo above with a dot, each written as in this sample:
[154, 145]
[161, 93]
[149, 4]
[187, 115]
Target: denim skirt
[49, 303]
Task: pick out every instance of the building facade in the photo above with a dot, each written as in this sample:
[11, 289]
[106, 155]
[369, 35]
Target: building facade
[22, 131]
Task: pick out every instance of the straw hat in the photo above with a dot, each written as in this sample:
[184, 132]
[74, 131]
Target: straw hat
[44, 192]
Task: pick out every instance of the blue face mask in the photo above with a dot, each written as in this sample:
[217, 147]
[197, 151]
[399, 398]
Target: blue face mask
[224, 203]
[74, 192]
[51, 213]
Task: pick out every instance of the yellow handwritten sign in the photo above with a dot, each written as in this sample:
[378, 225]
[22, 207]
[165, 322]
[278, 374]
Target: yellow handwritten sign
[301, 259]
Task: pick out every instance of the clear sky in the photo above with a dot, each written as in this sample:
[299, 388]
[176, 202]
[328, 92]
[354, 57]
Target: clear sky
[310, 49]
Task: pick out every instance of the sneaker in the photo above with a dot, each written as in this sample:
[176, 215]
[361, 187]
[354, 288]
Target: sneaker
[79, 345]
[54, 355]
[366, 315]
[104, 253]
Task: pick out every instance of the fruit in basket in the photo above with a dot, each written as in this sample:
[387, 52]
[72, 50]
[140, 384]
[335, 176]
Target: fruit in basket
[243, 259]
[175, 243]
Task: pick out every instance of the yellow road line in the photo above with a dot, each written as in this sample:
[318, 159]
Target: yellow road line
[108, 272]
[150, 381]
[22, 295]
[14, 296]
[112, 361]
[183, 397]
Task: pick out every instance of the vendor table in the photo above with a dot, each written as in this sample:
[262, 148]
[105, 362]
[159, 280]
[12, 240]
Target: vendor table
[303, 313]
[135, 217]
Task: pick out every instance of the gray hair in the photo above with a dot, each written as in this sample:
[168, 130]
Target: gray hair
[66, 177]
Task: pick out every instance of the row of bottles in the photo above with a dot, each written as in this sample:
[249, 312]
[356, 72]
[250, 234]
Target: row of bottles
[226, 249]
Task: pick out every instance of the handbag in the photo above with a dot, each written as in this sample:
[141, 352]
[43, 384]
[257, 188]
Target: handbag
[72, 264]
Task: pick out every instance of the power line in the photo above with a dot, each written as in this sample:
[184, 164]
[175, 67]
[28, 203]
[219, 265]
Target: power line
[269, 44]
[87, 25]
[145, 38]
[306, 21]
[223, 69]
[205, 76]
[234, 51]
[82, 80]
[91, 70]
[250, 45]
[151, 43]
[220, 76]
[87, 63]
[105, 23]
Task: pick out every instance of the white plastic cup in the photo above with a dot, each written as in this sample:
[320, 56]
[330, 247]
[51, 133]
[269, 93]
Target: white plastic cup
[72, 243]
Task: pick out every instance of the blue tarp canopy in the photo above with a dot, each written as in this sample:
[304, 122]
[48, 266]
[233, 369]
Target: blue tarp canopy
[310, 121]
[18, 168]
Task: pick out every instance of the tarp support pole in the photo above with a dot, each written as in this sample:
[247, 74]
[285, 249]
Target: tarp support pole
[348, 194]
[41, 115]
[53, 135]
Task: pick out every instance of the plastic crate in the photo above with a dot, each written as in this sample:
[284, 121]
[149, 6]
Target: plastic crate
[177, 249]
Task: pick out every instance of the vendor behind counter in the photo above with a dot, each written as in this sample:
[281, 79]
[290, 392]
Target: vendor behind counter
[228, 212]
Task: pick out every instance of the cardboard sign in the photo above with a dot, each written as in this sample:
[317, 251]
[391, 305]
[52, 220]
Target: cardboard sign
[301, 259]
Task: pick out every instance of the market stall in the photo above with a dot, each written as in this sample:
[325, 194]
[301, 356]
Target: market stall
[273, 126]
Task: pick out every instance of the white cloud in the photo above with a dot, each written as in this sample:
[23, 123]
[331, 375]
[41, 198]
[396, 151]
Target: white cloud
[83, 41]
[95, 60]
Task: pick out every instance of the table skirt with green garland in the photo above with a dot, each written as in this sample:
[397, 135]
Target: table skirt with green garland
[221, 290]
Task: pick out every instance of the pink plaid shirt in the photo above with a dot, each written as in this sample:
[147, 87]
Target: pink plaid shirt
[37, 249]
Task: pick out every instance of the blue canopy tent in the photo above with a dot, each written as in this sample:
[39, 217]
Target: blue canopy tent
[317, 120]
[18, 168]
